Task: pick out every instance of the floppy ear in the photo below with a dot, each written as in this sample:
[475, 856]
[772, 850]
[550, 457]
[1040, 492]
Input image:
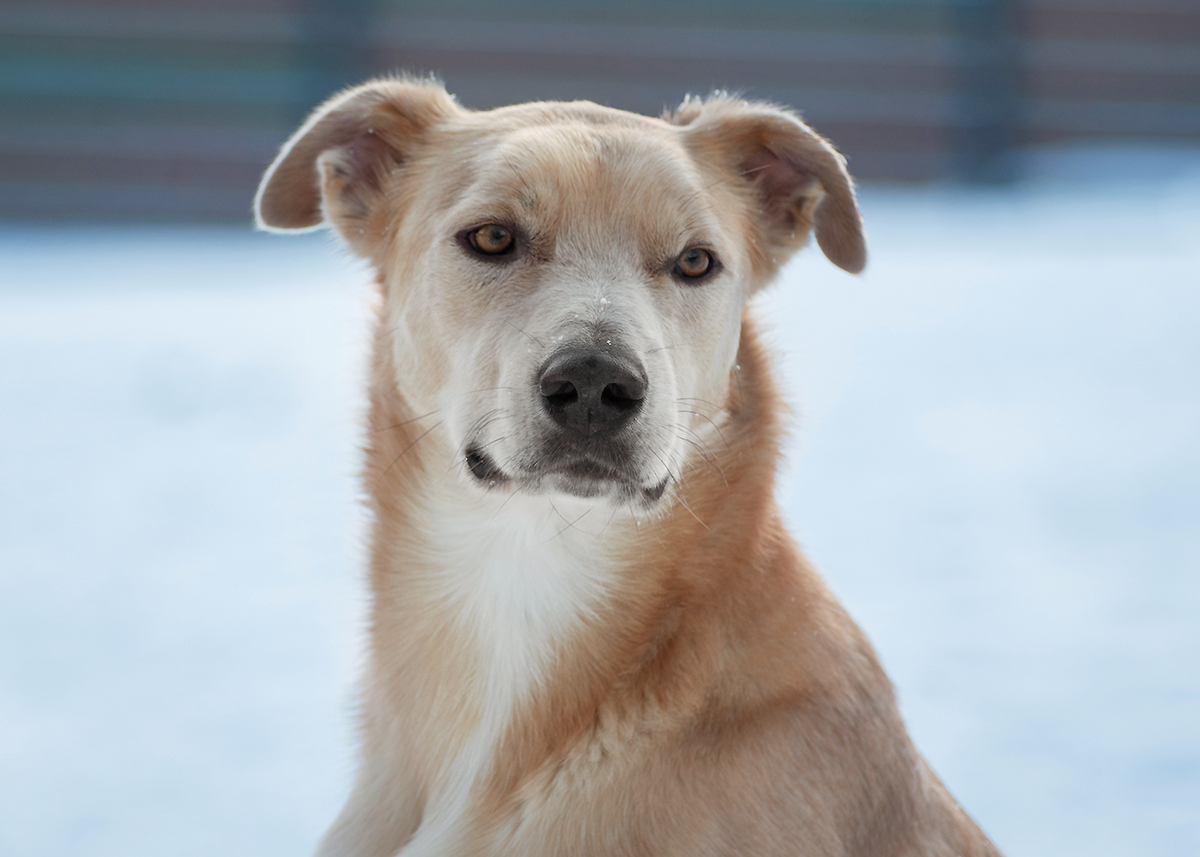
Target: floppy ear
[800, 181]
[332, 170]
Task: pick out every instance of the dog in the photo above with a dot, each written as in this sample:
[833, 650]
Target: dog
[590, 632]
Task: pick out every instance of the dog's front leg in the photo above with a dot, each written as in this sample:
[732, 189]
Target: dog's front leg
[378, 820]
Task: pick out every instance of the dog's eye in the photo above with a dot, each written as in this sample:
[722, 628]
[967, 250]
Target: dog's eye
[491, 240]
[694, 264]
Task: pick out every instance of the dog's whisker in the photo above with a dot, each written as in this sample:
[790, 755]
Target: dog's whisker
[459, 463]
[492, 441]
[679, 478]
[461, 460]
[671, 476]
[491, 389]
[484, 420]
[654, 531]
[684, 504]
[708, 402]
[708, 459]
[532, 338]
[480, 428]
[570, 524]
[503, 503]
[486, 415]
[692, 432]
[405, 423]
[709, 419]
[414, 442]
[604, 529]
[560, 514]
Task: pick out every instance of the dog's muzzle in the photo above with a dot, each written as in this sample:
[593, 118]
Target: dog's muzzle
[589, 445]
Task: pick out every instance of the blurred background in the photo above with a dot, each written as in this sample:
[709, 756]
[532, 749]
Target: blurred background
[996, 449]
[169, 108]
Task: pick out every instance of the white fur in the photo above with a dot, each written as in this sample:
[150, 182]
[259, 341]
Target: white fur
[517, 574]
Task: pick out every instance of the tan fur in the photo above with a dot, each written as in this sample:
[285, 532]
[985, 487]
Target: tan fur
[708, 696]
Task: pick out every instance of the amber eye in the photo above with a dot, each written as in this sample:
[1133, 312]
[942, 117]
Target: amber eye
[693, 264]
[491, 240]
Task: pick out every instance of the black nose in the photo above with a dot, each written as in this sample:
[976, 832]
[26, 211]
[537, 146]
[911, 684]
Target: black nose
[590, 391]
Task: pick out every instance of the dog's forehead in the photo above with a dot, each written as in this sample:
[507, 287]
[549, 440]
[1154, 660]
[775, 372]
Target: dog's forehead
[580, 166]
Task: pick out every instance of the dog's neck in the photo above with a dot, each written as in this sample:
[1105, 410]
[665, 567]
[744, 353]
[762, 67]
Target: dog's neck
[516, 573]
[490, 600]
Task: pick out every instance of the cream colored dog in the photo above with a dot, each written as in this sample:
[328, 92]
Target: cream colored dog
[591, 633]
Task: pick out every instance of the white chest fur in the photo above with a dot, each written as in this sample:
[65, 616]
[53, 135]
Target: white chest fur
[515, 578]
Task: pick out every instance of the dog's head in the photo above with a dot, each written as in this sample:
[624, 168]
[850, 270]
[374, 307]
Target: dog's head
[564, 283]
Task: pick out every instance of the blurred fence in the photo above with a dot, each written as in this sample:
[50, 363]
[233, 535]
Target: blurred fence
[146, 110]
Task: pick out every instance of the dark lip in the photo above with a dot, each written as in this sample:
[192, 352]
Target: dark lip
[654, 493]
[587, 476]
[585, 479]
[588, 469]
[483, 467]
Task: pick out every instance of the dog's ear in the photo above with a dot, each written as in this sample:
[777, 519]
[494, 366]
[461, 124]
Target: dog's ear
[799, 180]
[332, 170]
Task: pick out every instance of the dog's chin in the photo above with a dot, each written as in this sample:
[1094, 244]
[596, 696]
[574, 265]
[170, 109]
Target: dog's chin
[580, 478]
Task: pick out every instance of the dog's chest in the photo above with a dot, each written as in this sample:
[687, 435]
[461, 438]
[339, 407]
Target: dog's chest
[515, 585]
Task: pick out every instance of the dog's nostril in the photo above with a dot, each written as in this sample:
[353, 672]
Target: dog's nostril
[623, 397]
[559, 393]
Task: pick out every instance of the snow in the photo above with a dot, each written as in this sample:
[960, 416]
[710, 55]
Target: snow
[996, 464]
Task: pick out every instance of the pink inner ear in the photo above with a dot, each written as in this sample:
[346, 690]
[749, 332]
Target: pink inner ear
[776, 178]
[367, 156]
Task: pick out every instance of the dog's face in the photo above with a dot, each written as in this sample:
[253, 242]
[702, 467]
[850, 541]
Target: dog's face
[564, 282]
[574, 299]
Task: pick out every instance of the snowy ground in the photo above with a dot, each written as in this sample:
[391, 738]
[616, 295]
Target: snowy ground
[996, 464]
